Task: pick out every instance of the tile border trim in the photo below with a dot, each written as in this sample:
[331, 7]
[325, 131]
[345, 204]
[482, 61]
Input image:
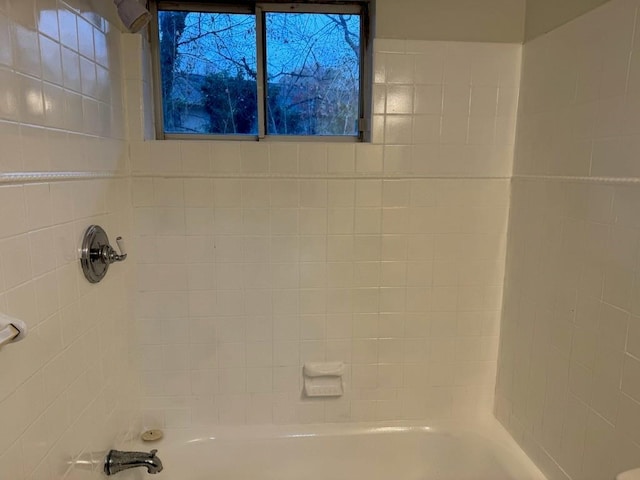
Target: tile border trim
[320, 176]
[47, 177]
[43, 177]
[579, 179]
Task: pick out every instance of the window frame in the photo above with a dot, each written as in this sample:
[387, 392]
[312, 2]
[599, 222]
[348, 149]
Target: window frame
[363, 8]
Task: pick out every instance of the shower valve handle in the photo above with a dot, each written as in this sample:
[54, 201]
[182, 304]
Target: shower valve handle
[96, 254]
[121, 247]
[110, 255]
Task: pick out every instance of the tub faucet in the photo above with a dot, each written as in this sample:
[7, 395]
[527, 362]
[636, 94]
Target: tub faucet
[117, 461]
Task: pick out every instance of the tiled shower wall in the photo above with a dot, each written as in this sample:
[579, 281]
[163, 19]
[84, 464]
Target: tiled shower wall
[66, 391]
[569, 372]
[257, 257]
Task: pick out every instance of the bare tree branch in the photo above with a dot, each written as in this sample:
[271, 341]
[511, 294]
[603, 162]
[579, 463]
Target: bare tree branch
[342, 23]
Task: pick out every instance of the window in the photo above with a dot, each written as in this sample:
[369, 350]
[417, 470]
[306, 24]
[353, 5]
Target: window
[262, 70]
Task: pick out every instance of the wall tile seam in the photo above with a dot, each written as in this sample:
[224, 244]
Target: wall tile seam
[114, 68]
[84, 56]
[48, 177]
[567, 24]
[62, 130]
[591, 410]
[541, 304]
[86, 15]
[51, 449]
[46, 408]
[631, 355]
[48, 36]
[65, 89]
[403, 46]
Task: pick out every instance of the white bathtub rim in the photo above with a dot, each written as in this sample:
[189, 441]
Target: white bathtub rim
[487, 427]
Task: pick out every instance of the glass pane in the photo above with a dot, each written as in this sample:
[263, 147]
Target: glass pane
[208, 69]
[313, 73]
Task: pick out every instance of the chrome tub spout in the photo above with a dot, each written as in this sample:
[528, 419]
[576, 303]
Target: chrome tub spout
[117, 461]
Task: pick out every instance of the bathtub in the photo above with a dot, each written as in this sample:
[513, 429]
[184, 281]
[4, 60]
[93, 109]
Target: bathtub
[390, 451]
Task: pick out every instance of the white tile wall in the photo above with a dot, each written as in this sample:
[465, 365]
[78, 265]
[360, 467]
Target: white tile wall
[580, 110]
[243, 280]
[568, 377]
[568, 372]
[67, 392]
[257, 257]
[56, 94]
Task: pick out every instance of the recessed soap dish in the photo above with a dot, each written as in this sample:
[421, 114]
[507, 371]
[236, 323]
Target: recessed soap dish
[323, 379]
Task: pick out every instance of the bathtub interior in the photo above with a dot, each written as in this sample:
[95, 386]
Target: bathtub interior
[453, 451]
